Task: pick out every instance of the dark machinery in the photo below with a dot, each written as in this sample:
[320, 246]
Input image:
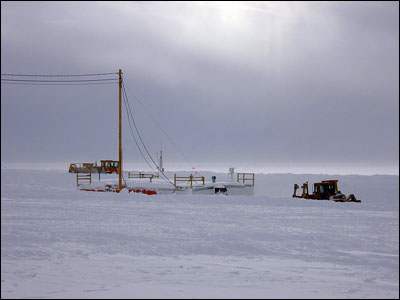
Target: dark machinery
[106, 166]
[324, 190]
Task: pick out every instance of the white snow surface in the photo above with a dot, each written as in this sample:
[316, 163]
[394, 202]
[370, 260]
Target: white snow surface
[59, 242]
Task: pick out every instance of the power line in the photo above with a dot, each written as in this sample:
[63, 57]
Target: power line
[58, 84]
[137, 130]
[144, 146]
[159, 126]
[49, 81]
[126, 102]
[57, 75]
[133, 135]
[90, 82]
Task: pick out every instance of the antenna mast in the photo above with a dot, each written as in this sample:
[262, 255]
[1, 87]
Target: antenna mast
[161, 162]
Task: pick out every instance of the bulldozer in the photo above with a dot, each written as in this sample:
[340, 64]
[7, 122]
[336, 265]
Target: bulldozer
[106, 166]
[324, 190]
[109, 166]
[82, 168]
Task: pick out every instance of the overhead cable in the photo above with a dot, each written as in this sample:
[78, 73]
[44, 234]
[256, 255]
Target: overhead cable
[57, 75]
[159, 126]
[133, 135]
[138, 133]
[58, 83]
[49, 81]
[127, 106]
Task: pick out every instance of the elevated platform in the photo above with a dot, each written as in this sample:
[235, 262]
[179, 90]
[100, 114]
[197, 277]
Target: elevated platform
[159, 186]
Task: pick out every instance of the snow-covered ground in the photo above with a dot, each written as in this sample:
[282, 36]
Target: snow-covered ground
[58, 242]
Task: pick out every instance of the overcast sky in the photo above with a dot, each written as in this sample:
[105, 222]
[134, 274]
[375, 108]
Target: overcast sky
[263, 83]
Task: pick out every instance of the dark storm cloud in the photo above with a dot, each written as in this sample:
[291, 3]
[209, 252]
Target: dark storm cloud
[260, 82]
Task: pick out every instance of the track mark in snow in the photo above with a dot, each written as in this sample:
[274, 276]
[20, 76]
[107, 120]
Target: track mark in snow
[195, 267]
[352, 291]
[56, 292]
[142, 271]
[370, 280]
[96, 290]
[234, 272]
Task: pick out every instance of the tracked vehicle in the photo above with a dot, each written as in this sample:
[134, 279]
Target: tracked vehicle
[324, 190]
[106, 166]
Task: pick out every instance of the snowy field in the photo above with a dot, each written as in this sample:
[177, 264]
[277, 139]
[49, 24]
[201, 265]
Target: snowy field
[58, 242]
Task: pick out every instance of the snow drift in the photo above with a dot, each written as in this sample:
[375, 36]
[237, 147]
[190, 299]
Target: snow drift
[58, 242]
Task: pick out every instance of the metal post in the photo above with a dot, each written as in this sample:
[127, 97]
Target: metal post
[175, 180]
[120, 187]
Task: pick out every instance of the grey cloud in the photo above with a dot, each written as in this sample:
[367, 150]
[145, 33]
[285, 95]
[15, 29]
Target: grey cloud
[291, 82]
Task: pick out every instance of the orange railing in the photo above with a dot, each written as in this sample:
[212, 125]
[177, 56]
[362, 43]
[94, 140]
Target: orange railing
[190, 179]
[83, 177]
[246, 177]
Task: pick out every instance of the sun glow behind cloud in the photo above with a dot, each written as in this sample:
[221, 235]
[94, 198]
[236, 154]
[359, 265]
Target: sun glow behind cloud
[239, 32]
[267, 75]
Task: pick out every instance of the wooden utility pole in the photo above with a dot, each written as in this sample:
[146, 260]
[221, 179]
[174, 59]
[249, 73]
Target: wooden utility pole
[120, 186]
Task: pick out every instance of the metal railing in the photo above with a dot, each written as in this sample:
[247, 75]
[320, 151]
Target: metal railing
[83, 177]
[190, 179]
[246, 177]
[142, 175]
